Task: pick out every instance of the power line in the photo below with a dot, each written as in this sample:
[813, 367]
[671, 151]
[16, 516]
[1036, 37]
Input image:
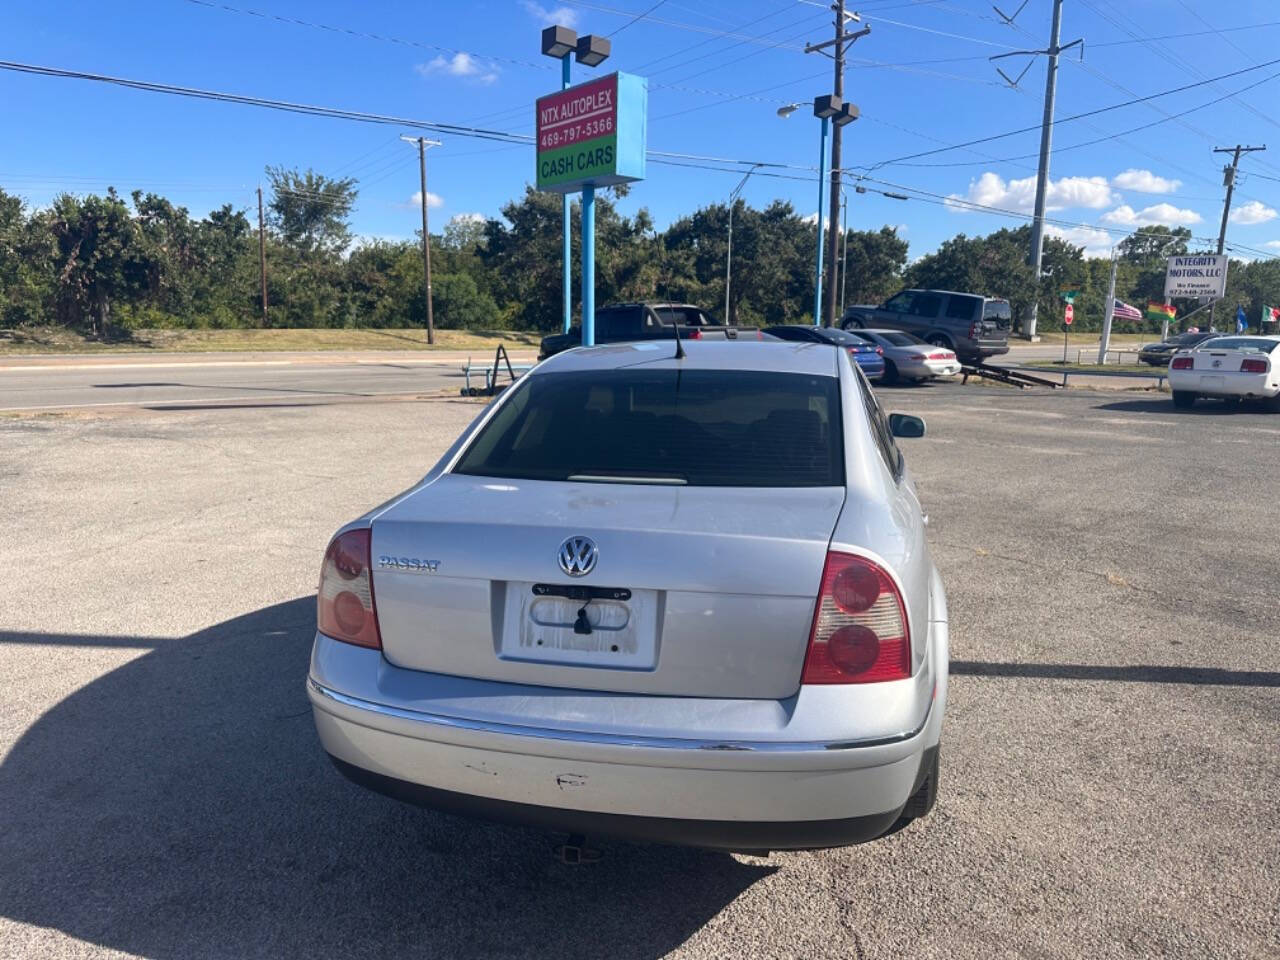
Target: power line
[637, 17]
[1073, 117]
[365, 35]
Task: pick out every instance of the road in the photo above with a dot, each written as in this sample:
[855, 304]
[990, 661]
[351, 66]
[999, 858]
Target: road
[204, 380]
[56, 383]
[1109, 763]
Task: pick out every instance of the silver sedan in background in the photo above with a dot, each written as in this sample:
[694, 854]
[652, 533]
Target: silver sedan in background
[680, 596]
[907, 357]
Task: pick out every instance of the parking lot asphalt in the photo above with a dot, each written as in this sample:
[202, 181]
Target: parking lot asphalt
[1109, 766]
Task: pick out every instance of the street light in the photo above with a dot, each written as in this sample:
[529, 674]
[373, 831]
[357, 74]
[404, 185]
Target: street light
[561, 43]
[789, 109]
[824, 108]
[592, 50]
[728, 264]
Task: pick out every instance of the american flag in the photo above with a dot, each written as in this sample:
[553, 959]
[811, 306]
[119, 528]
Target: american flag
[1122, 311]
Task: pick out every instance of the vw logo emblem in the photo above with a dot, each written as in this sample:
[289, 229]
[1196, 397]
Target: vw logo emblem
[578, 556]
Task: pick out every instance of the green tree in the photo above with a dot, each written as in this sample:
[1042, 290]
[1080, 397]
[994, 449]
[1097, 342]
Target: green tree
[311, 211]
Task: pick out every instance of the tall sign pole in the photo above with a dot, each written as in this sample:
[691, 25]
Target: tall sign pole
[567, 240]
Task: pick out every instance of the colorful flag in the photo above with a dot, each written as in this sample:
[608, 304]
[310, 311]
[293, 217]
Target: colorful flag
[1242, 322]
[1270, 314]
[1160, 311]
[1122, 311]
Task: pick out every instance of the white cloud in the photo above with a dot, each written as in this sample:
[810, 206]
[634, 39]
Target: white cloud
[548, 17]
[1272, 244]
[991, 190]
[433, 199]
[1096, 242]
[461, 64]
[1253, 212]
[461, 218]
[1144, 181]
[1161, 213]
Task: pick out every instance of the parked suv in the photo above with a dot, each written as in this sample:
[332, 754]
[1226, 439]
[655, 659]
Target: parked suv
[974, 327]
[621, 322]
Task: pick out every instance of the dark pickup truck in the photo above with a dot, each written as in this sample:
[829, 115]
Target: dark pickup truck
[621, 322]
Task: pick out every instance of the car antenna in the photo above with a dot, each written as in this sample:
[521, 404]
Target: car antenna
[680, 354]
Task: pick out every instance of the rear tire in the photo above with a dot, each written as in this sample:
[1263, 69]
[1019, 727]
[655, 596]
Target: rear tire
[890, 372]
[853, 323]
[940, 340]
[1183, 399]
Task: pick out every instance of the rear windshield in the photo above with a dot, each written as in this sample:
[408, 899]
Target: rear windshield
[710, 428]
[899, 339]
[1240, 343]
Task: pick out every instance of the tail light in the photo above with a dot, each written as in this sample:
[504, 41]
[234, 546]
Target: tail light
[1253, 365]
[344, 600]
[695, 335]
[1182, 363]
[880, 350]
[759, 334]
[942, 355]
[975, 329]
[918, 356]
[860, 632]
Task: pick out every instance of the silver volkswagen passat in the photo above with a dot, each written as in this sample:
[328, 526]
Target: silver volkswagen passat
[681, 597]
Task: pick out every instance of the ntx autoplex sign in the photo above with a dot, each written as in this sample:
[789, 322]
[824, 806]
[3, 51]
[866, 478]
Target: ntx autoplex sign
[593, 133]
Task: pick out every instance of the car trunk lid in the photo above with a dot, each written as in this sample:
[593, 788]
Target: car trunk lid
[696, 591]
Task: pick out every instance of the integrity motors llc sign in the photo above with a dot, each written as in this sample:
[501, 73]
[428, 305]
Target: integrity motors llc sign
[593, 133]
[1199, 275]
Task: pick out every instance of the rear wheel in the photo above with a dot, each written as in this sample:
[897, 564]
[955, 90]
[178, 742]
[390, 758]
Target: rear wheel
[890, 372]
[1183, 399]
[940, 340]
[853, 323]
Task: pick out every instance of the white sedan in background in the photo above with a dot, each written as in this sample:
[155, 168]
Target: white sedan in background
[907, 357]
[1227, 368]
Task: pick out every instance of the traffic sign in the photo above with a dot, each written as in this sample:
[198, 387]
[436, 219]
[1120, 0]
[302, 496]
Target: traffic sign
[1069, 314]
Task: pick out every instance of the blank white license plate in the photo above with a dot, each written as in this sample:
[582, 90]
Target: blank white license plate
[1211, 383]
[623, 632]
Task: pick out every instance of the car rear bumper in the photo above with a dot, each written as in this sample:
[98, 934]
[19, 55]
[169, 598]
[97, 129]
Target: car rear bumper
[1208, 383]
[728, 794]
[740, 835]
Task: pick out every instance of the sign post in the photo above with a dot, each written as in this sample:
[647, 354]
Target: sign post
[592, 135]
[1068, 315]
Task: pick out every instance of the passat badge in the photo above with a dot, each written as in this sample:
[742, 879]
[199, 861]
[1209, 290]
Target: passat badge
[408, 564]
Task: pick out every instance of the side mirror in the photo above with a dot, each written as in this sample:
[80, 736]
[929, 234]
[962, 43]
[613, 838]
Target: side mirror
[906, 426]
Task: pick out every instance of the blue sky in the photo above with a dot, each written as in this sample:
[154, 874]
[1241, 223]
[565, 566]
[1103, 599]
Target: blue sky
[718, 69]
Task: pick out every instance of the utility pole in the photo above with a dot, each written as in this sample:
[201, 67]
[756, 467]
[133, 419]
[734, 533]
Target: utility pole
[832, 241]
[1229, 178]
[1046, 142]
[262, 256]
[423, 143]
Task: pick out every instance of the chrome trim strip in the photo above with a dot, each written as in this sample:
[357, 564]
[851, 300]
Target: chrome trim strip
[609, 739]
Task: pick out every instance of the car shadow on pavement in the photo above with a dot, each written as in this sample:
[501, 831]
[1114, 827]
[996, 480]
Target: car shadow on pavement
[181, 806]
[1203, 408]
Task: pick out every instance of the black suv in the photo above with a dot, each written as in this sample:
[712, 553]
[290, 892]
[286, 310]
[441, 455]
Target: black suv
[619, 322]
[974, 327]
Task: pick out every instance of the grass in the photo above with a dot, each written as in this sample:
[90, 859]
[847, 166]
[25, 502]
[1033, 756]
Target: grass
[1084, 340]
[42, 340]
[1057, 365]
